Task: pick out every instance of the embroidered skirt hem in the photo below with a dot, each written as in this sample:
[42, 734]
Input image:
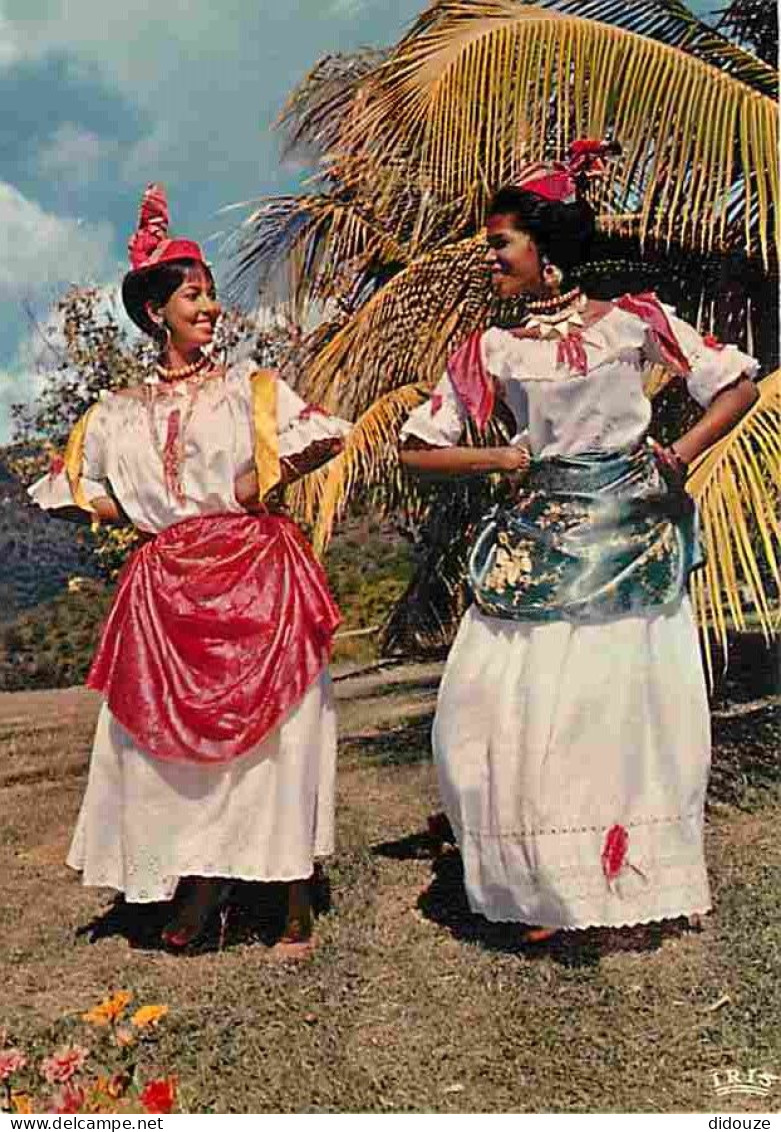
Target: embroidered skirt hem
[266, 816]
[549, 736]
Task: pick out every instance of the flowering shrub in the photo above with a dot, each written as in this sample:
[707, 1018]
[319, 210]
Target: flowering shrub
[101, 1076]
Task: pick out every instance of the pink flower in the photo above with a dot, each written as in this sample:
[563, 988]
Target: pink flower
[614, 852]
[63, 1064]
[11, 1061]
[313, 411]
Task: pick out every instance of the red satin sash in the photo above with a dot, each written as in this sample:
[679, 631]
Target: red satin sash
[219, 626]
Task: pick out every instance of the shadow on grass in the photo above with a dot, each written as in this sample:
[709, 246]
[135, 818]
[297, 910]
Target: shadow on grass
[253, 913]
[745, 755]
[394, 746]
[445, 902]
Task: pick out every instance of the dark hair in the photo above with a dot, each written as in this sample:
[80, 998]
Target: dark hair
[155, 285]
[562, 232]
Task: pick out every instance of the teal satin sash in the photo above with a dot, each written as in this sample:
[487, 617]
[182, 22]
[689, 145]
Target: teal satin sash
[594, 536]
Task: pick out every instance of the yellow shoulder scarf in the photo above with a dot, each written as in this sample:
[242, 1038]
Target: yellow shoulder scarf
[264, 416]
[74, 459]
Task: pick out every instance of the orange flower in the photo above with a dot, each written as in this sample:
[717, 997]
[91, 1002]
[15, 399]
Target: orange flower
[109, 1010]
[124, 1037]
[148, 1016]
[159, 1096]
[22, 1103]
[117, 1085]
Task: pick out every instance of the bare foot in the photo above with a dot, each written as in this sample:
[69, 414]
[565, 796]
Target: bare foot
[288, 950]
[296, 941]
[194, 905]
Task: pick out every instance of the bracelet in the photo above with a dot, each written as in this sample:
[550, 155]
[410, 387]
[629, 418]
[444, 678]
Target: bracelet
[681, 464]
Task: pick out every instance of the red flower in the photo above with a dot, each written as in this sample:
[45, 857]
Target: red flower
[713, 343]
[436, 403]
[70, 1099]
[313, 411]
[56, 465]
[159, 1096]
[614, 852]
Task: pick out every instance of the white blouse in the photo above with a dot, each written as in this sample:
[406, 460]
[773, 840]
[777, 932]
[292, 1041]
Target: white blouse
[562, 412]
[126, 436]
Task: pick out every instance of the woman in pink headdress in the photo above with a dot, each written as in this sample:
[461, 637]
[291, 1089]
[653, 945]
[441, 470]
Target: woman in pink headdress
[571, 736]
[214, 755]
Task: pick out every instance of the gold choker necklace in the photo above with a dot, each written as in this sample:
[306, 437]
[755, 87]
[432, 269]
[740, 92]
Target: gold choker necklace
[183, 371]
[557, 316]
[555, 304]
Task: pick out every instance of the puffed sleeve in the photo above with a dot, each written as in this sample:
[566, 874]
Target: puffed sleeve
[712, 366]
[79, 476]
[440, 420]
[302, 426]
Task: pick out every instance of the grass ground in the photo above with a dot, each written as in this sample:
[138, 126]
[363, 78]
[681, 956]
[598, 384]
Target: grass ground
[410, 1003]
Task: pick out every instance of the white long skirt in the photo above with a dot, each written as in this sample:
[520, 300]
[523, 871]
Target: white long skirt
[547, 736]
[266, 816]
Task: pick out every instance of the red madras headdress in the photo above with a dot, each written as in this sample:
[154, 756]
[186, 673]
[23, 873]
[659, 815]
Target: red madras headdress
[151, 245]
[565, 181]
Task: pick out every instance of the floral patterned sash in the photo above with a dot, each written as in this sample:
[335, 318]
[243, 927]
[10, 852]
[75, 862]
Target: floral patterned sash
[595, 536]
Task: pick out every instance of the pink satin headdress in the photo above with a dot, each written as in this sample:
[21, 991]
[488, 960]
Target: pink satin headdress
[151, 245]
[561, 180]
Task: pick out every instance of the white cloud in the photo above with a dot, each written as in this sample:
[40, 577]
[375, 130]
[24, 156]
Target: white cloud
[39, 250]
[74, 155]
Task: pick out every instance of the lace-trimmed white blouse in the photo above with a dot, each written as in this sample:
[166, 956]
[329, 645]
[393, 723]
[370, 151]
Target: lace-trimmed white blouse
[563, 412]
[125, 438]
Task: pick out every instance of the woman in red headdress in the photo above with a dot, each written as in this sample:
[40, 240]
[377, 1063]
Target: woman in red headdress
[571, 736]
[214, 756]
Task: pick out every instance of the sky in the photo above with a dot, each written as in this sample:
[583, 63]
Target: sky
[98, 98]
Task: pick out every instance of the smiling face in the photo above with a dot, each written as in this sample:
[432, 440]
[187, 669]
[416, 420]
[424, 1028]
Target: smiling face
[191, 312]
[513, 258]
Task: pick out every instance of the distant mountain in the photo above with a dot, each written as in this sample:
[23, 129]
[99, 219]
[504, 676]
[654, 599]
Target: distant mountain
[37, 554]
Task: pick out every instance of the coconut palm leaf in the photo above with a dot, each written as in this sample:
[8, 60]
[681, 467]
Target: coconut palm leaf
[313, 114]
[754, 22]
[492, 84]
[403, 334]
[671, 22]
[737, 487]
[369, 460]
[311, 247]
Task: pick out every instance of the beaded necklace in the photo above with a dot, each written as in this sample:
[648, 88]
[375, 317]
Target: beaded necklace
[557, 316]
[171, 448]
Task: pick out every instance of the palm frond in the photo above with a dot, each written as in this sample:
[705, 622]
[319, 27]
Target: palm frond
[671, 22]
[737, 488]
[404, 332]
[309, 247]
[493, 84]
[754, 22]
[313, 114]
[369, 459]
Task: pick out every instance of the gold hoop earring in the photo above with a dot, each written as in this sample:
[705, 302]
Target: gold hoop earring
[552, 276]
